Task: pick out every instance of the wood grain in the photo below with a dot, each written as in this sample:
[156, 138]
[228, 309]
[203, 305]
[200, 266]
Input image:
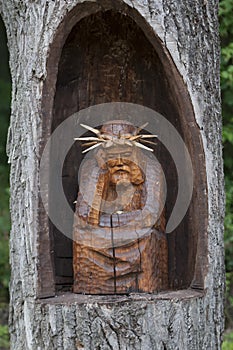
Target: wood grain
[138, 263]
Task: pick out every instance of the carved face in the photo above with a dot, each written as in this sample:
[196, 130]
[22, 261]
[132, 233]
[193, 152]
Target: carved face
[122, 163]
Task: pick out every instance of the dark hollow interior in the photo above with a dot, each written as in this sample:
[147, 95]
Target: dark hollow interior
[108, 58]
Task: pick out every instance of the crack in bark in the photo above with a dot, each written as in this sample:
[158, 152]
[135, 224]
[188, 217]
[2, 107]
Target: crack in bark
[117, 336]
[150, 7]
[106, 337]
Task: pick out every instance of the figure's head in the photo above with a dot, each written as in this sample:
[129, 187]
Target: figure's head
[122, 167]
[119, 150]
[121, 156]
[123, 164]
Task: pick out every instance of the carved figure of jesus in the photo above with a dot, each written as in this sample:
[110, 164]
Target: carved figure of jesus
[119, 240]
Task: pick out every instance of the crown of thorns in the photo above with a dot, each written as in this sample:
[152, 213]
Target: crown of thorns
[107, 141]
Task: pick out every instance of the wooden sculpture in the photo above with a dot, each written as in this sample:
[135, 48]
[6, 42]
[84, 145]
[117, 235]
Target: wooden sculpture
[119, 240]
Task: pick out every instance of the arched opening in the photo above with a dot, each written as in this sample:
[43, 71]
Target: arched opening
[105, 55]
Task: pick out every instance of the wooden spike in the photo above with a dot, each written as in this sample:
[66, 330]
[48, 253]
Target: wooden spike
[89, 143]
[147, 141]
[108, 144]
[95, 131]
[106, 137]
[92, 147]
[143, 147]
[142, 127]
[148, 136]
[129, 143]
[133, 138]
[91, 138]
[127, 136]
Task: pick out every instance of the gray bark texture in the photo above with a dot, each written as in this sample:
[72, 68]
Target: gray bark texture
[176, 320]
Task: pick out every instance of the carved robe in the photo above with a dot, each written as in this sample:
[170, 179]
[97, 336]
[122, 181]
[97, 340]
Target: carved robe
[126, 250]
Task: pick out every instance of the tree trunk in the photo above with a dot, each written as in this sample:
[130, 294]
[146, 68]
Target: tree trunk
[181, 319]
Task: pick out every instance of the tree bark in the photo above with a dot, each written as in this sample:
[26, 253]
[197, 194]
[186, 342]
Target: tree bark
[185, 319]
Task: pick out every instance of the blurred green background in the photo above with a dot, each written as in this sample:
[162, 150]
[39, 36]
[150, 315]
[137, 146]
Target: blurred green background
[226, 33]
[5, 96]
[5, 93]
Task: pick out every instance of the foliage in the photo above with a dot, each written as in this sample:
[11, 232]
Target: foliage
[228, 342]
[4, 189]
[229, 300]
[229, 224]
[226, 33]
[4, 337]
[5, 91]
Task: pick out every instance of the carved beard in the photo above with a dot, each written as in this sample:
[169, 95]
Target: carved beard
[125, 194]
[105, 191]
[137, 176]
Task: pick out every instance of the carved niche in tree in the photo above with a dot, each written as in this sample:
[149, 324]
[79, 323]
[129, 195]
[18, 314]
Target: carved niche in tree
[119, 241]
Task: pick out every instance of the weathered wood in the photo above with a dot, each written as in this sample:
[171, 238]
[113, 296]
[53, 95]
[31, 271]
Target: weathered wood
[184, 319]
[120, 245]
